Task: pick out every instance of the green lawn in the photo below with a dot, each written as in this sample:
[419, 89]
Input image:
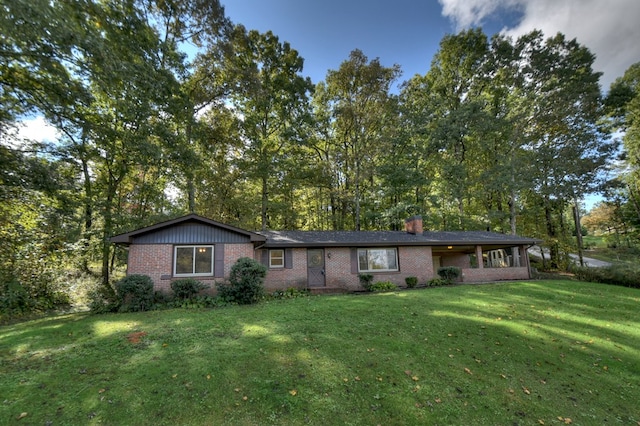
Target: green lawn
[526, 353]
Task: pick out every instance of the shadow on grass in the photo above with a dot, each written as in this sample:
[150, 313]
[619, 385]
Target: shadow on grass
[505, 353]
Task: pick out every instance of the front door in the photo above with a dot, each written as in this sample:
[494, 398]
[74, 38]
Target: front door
[315, 267]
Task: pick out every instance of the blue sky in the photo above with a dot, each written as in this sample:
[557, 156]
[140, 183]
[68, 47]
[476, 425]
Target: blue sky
[407, 32]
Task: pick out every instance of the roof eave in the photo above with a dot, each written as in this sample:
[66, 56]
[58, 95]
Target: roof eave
[299, 244]
[127, 237]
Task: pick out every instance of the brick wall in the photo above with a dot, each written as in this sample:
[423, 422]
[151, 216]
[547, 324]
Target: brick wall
[156, 261]
[233, 252]
[413, 262]
[338, 269]
[283, 278]
[462, 261]
[494, 274]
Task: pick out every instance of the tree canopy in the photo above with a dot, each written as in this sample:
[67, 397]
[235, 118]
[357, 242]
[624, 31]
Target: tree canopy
[498, 133]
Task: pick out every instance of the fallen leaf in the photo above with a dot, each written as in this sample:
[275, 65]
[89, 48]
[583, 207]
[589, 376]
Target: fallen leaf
[22, 416]
[379, 379]
[540, 422]
[357, 378]
[174, 376]
[345, 380]
[525, 390]
[503, 376]
[208, 376]
[244, 398]
[407, 372]
[293, 392]
[102, 391]
[415, 378]
[237, 389]
[466, 370]
[567, 421]
[438, 400]
[511, 390]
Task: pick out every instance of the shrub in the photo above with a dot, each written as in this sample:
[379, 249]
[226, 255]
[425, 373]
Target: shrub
[382, 286]
[290, 293]
[102, 301]
[437, 282]
[26, 293]
[187, 288]
[365, 281]
[14, 299]
[135, 293]
[246, 282]
[411, 282]
[450, 273]
[626, 277]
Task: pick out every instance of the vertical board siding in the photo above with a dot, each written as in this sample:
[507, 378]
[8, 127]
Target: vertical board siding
[191, 233]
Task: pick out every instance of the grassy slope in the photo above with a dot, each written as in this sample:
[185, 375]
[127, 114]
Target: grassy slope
[510, 353]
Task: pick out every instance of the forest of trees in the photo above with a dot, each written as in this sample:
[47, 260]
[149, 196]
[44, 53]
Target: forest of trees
[166, 107]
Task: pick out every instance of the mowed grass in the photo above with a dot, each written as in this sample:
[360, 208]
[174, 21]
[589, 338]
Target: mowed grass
[526, 353]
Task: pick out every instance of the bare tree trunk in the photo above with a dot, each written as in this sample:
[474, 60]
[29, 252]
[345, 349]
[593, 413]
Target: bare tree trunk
[264, 203]
[88, 215]
[551, 233]
[576, 219]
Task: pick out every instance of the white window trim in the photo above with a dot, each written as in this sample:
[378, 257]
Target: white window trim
[395, 250]
[281, 257]
[194, 247]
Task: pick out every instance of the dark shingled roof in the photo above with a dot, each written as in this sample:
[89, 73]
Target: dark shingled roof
[282, 239]
[377, 238]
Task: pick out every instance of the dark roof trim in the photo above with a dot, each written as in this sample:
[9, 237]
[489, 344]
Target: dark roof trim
[281, 239]
[127, 237]
[496, 244]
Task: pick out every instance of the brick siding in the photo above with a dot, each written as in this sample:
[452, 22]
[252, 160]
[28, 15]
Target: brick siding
[283, 278]
[494, 274]
[156, 261]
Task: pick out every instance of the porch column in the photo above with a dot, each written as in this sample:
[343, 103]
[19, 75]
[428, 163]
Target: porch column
[517, 257]
[479, 257]
[525, 259]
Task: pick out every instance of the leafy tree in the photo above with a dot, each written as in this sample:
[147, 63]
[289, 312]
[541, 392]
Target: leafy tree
[361, 113]
[623, 108]
[565, 106]
[272, 100]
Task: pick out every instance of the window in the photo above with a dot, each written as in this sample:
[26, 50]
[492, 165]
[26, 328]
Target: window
[276, 258]
[377, 260]
[193, 261]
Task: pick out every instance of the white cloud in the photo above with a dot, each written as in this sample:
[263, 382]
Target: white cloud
[38, 129]
[609, 29]
[32, 130]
